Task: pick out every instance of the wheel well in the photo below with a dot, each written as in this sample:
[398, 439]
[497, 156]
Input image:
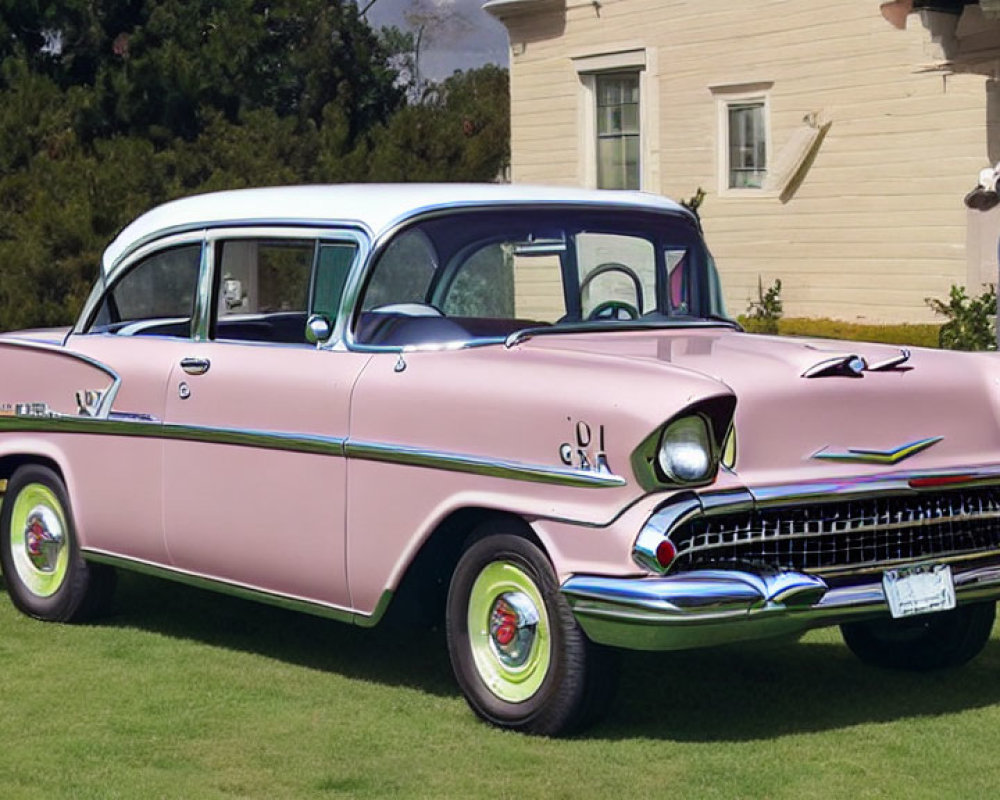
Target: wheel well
[10, 464]
[423, 590]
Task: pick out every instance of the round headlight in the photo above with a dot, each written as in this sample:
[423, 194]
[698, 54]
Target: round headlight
[686, 451]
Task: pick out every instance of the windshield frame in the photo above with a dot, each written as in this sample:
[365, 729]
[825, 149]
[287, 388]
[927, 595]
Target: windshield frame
[664, 229]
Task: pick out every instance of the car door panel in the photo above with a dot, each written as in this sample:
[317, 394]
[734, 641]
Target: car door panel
[254, 474]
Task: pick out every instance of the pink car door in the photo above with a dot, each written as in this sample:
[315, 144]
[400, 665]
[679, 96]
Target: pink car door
[139, 328]
[256, 417]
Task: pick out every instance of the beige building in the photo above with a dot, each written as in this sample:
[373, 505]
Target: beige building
[834, 147]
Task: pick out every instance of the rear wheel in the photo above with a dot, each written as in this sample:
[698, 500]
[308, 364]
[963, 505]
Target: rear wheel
[518, 654]
[45, 574]
[929, 641]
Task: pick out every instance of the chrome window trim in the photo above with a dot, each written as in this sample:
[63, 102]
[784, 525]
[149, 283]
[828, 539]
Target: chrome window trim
[108, 281]
[153, 239]
[318, 230]
[355, 289]
[243, 590]
[319, 234]
[202, 317]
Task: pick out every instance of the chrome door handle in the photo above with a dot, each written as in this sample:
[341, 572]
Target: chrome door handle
[195, 366]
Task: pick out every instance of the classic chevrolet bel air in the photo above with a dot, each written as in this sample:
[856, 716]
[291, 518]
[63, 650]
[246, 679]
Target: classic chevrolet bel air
[526, 404]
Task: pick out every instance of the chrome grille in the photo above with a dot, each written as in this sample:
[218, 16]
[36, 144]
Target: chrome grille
[847, 535]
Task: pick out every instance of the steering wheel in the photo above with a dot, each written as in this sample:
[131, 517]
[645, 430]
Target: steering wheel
[601, 310]
[613, 309]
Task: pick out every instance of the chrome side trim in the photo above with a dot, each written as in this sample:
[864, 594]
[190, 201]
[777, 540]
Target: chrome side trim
[141, 426]
[710, 607]
[247, 592]
[147, 427]
[476, 465]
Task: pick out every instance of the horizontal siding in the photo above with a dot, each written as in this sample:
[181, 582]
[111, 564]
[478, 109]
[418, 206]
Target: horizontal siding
[878, 223]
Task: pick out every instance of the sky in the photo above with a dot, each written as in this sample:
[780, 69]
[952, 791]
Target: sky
[458, 33]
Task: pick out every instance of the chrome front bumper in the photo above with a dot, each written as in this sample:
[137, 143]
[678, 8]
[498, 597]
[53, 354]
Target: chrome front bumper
[710, 607]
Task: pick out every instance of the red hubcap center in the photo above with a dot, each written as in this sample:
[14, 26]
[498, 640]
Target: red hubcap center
[36, 534]
[507, 628]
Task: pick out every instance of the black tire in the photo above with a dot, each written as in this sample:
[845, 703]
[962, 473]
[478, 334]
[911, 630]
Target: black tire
[43, 570]
[569, 681]
[929, 641]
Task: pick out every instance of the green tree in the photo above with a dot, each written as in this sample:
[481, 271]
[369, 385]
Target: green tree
[109, 108]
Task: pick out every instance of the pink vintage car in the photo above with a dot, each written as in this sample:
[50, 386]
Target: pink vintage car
[525, 403]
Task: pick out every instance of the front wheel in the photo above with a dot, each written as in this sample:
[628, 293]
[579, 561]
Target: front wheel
[929, 641]
[45, 574]
[518, 654]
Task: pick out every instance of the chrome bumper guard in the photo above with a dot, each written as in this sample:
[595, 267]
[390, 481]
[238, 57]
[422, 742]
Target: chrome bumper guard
[703, 608]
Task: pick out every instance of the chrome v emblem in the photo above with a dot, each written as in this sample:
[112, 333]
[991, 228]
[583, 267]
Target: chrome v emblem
[877, 456]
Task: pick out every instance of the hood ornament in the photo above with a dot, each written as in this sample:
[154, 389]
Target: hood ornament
[862, 456]
[854, 366]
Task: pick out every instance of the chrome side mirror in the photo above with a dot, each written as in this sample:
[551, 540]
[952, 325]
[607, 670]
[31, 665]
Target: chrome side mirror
[318, 329]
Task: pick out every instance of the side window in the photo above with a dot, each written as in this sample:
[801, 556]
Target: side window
[155, 297]
[264, 277]
[403, 273]
[268, 288]
[483, 285]
[333, 265]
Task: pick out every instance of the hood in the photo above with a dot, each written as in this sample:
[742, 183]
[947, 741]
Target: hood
[793, 427]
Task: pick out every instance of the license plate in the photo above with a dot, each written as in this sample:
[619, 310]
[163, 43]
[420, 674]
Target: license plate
[920, 589]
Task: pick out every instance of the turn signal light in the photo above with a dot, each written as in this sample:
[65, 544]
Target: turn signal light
[665, 553]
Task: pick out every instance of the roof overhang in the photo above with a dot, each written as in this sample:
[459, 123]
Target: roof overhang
[501, 9]
[967, 32]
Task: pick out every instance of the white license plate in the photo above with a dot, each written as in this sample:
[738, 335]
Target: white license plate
[920, 589]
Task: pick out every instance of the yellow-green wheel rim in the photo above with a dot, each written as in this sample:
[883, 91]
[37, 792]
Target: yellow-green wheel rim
[36, 500]
[512, 683]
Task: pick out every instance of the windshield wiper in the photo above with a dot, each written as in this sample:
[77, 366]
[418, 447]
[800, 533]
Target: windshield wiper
[708, 321]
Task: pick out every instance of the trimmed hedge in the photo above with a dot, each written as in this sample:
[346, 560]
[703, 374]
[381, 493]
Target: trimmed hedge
[902, 334]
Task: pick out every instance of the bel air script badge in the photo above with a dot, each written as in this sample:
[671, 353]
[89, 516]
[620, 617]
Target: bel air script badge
[582, 453]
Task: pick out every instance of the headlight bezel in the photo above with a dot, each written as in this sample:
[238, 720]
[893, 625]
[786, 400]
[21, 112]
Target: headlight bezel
[716, 415]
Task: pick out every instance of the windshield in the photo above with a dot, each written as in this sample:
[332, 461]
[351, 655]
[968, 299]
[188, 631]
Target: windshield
[485, 275]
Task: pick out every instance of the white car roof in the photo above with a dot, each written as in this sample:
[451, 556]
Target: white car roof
[372, 206]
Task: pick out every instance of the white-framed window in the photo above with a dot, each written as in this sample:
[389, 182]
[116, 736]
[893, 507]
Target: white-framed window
[617, 107]
[618, 135]
[744, 137]
[747, 144]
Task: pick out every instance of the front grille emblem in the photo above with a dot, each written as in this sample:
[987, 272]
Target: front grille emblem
[862, 456]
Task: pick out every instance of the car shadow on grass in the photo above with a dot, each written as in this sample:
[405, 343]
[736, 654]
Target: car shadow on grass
[738, 693]
[393, 653]
[761, 691]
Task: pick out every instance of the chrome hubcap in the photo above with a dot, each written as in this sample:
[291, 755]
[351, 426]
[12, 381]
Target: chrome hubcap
[43, 539]
[509, 633]
[40, 539]
[513, 621]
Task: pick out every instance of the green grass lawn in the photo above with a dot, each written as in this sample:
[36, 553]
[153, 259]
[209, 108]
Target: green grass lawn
[187, 694]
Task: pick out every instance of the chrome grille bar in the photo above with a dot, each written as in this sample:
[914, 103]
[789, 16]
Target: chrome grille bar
[847, 535]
